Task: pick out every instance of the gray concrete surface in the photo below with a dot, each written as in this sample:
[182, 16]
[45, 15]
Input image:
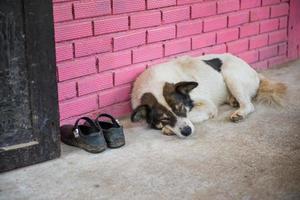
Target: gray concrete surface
[255, 159]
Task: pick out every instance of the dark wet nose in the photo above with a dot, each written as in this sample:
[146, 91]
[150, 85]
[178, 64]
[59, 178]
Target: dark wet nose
[186, 131]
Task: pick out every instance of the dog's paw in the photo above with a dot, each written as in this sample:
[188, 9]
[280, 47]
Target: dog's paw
[236, 117]
[167, 131]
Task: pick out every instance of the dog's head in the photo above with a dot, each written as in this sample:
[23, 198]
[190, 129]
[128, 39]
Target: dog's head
[170, 118]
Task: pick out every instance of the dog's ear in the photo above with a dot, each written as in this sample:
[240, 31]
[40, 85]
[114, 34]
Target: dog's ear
[185, 87]
[140, 113]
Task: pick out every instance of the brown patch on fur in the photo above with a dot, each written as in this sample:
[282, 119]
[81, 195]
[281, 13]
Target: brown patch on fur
[156, 115]
[270, 92]
[177, 96]
[149, 99]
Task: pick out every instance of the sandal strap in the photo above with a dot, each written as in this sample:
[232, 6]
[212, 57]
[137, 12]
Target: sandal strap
[76, 131]
[114, 121]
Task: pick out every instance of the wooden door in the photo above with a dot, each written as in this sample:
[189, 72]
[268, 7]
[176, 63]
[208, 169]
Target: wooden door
[294, 30]
[28, 92]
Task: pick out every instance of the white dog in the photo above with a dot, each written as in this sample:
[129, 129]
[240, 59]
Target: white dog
[173, 95]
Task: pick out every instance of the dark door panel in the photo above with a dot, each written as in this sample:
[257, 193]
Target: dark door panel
[28, 104]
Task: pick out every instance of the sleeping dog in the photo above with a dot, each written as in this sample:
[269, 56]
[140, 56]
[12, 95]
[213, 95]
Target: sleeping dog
[174, 95]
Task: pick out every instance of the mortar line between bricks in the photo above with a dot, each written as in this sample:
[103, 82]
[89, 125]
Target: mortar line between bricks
[93, 29]
[77, 89]
[111, 7]
[73, 11]
[97, 65]
[73, 50]
[129, 22]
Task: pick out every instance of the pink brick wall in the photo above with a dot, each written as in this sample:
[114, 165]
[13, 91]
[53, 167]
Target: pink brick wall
[102, 45]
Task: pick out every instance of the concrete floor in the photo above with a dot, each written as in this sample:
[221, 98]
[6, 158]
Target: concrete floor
[255, 159]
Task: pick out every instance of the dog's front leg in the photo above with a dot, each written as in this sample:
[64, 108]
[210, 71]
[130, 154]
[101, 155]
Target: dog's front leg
[202, 110]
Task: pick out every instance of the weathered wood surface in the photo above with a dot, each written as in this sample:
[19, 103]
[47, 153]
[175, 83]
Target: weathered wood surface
[28, 106]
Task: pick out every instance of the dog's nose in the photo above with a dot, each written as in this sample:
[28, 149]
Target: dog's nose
[186, 131]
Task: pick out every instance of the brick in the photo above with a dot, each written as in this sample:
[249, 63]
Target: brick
[204, 9]
[189, 28]
[177, 46]
[260, 65]
[152, 4]
[66, 90]
[227, 35]
[258, 41]
[238, 18]
[114, 95]
[259, 13]
[176, 14]
[72, 31]
[182, 2]
[203, 40]
[91, 46]
[277, 60]
[71, 120]
[114, 60]
[124, 6]
[278, 36]
[215, 23]
[269, 2]
[196, 53]
[269, 25]
[249, 29]
[225, 6]
[129, 39]
[282, 49]
[280, 10]
[283, 22]
[238, 46]
[111, 24]
[146, 53]
[117, 110]
[78, 106]
[161, 33]
[76, 68]
[215, 49]
[128, 74]
[268, 52]
[147, 19]
[249, 56]
[250, 4]
[154, 63]
[95, 83]
[62, 12]
[91, 8]
[63, 52]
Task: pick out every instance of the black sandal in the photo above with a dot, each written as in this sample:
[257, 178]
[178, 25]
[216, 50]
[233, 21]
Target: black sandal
[113, 131]
[88, 137]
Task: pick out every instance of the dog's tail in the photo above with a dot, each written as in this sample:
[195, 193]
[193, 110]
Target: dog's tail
[270, 92]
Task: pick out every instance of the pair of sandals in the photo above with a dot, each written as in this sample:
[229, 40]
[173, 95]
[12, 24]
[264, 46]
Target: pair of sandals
[94, 136]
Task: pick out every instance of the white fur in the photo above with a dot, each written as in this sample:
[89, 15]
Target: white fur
[236, 77]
